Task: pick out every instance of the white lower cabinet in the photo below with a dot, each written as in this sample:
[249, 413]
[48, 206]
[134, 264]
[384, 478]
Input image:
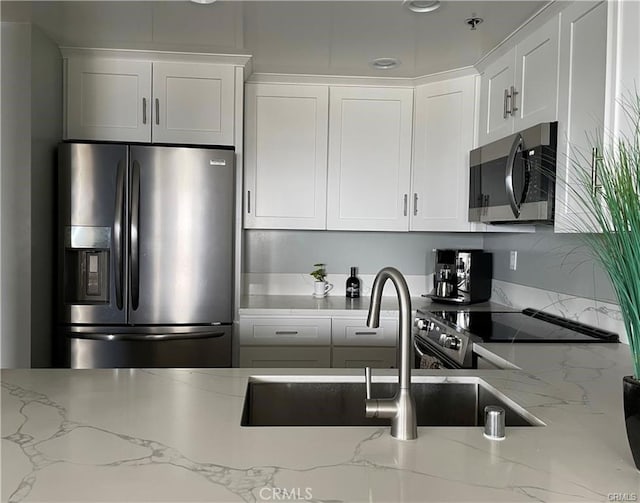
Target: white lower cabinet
[354, 345]
[299, 342]
[360, 357]
[285, 342]
[285, 356]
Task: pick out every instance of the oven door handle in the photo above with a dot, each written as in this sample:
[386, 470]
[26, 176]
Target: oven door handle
[517, 146]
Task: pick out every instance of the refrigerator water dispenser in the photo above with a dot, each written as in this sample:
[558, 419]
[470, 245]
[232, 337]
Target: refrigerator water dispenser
[86, 265]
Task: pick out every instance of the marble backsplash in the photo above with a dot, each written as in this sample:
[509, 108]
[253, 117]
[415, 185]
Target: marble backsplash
[604, 315]
[302, 284]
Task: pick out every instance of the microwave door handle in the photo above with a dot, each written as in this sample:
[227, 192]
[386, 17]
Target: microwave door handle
[527, 180]
[508, 179]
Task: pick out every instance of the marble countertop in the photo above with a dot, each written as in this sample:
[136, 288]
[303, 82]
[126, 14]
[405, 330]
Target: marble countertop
[175, 435]
[333, 305]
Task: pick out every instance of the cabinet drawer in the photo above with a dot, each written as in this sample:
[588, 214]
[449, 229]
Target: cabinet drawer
[354, 332]
[285, 331]
[285, 357]
[360, 357]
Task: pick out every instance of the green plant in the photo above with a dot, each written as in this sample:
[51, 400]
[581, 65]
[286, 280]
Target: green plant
[320, 273]
[611, 220]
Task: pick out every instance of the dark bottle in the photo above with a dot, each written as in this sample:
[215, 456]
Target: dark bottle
[353, 285]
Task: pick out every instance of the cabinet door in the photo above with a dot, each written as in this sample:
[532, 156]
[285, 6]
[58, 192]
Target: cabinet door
[536, 77]
[285, 357]
[583, 66]
[108, 100]
[369, 158]
[286, 156]
[354, 332]
[498, 77]
[280, 331]
[360, 357]
[193, 103]
[444, 120]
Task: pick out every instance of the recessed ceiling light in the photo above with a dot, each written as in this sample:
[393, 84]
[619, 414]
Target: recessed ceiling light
[202, 2]
[422, 5]
[385, 63]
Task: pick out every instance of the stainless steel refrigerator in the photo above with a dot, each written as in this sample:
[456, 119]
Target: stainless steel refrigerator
[145, 256]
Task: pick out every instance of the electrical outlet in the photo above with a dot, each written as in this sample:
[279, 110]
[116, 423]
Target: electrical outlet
[513, 260]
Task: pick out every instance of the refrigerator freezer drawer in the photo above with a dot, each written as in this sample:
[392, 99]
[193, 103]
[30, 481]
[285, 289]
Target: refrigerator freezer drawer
[210, 347]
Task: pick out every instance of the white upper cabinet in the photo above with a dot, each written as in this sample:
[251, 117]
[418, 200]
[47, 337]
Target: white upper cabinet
[520, 88]
[286, 156]
[108, 100]
[369, 158]
[443, 137]
[496, 83]
[193, 103]
[582, 100]
[149, 101]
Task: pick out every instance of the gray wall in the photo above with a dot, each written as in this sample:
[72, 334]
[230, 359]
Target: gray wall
[281, 251]
[46, 132]
[31, 128]
[15, 196]
[557, 262]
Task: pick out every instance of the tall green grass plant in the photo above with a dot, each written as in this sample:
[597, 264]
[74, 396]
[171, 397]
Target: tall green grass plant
[611, 220]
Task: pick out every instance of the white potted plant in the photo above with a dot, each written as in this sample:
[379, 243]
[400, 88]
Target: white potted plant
[320, 286]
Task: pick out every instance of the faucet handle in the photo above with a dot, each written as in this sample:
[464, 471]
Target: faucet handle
[367, 381]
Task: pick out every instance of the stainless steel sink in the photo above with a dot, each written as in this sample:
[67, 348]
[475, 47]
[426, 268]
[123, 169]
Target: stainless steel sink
[339, 401]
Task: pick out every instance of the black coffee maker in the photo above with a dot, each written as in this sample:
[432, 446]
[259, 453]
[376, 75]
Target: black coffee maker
[462, 276]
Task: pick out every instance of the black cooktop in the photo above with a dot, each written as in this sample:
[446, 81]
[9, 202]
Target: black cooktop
[530, 325]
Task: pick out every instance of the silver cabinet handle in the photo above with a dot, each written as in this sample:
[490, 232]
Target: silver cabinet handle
[595, 158]
[286, 332]
[406, 202]
[365, 333]
[415, 204]
[157, 112]
[512, 100]
[134, 229]
[118, 226]
[144, 110]
[505, 106]
[248, 201]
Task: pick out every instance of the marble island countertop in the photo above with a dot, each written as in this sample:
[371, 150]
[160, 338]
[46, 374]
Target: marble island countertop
[175, 435]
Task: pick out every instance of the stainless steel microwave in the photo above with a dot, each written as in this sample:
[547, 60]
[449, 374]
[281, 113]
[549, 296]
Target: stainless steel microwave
[512, 180]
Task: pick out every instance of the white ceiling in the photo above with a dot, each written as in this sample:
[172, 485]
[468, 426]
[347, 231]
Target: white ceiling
[327, 37]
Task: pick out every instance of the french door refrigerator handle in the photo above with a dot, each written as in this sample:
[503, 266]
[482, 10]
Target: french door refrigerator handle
[508, 178]
[118, 225]
[134, 229]
[178, 336]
